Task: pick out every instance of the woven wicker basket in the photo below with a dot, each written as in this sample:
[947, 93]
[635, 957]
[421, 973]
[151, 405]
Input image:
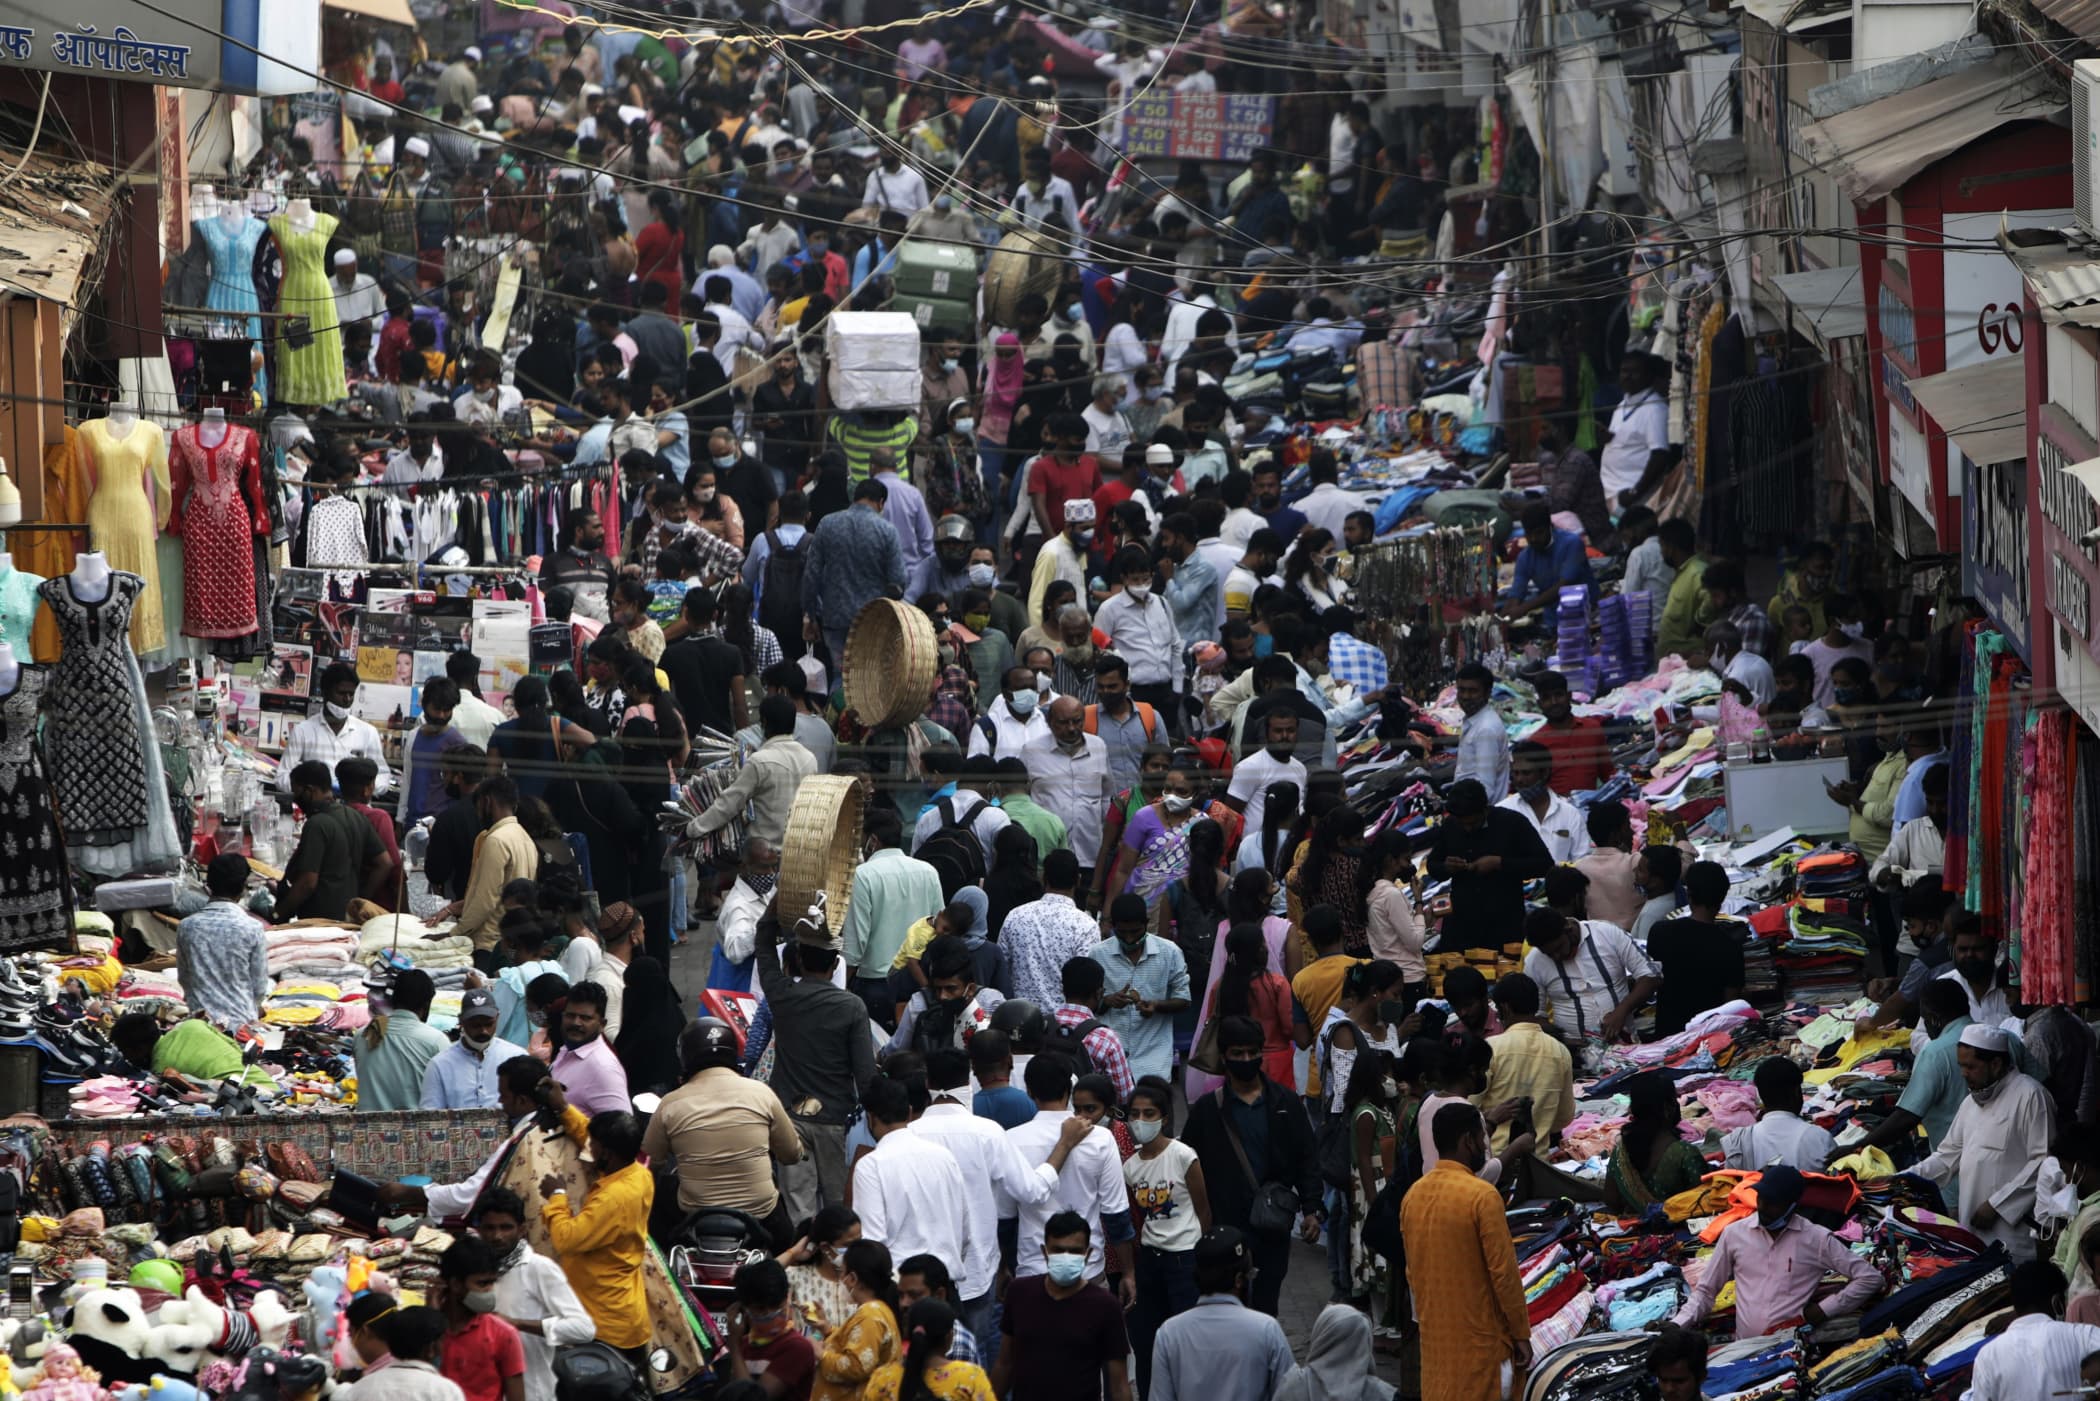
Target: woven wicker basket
[889, 664]
[1025, 261]
[820, 850]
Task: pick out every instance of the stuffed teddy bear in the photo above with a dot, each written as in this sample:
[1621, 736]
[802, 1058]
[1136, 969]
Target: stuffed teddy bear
[161, 1389]
[109, 1332]
[193, 1330]
[25, 1341]
[324, 1290]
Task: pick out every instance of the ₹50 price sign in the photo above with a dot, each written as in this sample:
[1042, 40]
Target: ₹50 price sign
[1197, 126]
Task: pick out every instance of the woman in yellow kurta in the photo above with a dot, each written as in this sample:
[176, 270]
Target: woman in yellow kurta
[601, 1246]
[123, 523]
[926, 1370]
[1462, 1272]
[868, 1341]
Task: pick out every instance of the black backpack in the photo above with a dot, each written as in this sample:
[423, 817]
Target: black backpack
[780, 604]
[953, 851]
[1070, 1042]
[595, 1372]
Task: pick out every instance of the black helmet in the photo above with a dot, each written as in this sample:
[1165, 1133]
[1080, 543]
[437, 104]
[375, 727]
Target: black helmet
[707, 1044]
[1022, 1021]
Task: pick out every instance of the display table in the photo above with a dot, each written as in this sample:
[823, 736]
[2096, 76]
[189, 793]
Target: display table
[444, 1145]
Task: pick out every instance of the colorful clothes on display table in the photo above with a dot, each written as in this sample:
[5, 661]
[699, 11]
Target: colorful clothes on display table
[121, 518]
[36, 907]
[218, 511]
[309, 373]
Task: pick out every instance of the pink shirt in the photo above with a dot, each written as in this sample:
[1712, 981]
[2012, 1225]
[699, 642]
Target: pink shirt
[592, 1078]
[1776, 1277]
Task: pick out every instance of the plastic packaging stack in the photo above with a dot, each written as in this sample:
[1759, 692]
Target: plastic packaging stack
[874, 360]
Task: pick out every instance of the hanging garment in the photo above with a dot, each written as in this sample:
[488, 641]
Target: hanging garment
[105, 762]
[18, 609]
[35, 882]
[218, 513]
[50, 552]
[232, 243]
[120, 516]
[312, 372]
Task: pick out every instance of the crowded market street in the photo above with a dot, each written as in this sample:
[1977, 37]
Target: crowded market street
[869, 700]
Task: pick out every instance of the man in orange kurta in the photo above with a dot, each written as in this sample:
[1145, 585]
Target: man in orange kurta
[1462, 1268]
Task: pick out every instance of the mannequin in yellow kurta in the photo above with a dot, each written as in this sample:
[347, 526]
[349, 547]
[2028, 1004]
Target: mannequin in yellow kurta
[1462, 1271]
[122, 520]
[49, 553]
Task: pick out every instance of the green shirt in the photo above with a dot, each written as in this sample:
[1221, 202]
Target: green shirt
[1037, 821]
[200, 1051]
[891, 893]
[1684, 615]
[336, 844]
[1875, 820]
[390, 1075]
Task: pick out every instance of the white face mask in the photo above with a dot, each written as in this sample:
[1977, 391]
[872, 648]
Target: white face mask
[1177, 802]
[950, 366]
[965, 426]
[1138, 592]
[336, 712]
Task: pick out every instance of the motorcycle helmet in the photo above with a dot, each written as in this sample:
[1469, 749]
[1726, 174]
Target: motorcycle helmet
[1022, 1021]
[707, 1044]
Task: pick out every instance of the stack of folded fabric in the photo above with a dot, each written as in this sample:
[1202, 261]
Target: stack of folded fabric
[1649, 1297]
[1599, 1367]
[1754, 1369]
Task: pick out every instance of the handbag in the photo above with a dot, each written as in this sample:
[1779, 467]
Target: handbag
[1205, 1055]
[1275, 1207]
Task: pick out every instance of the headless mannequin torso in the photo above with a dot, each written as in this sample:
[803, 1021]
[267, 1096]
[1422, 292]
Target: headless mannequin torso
[212, 431]
[90, 577]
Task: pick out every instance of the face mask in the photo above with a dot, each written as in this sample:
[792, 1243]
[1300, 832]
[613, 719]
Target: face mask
[1845, 695]
[1023, 704]
[950, 366]
[762, 882]
[1145, 1130]
[1991, 1091]
[1074, 312]
[977, 622]
[1083, 538]
[1153, 393]
[1855, 631]
[982, 576]
[337, 712]
[1176, 802]
[1775, 1227]
[1065, 1270]
[944, 203]
[486, 396]
[1533, 792]
[1264, 645]
[1244, 1071]
[478, 1301]
[1138, 592]
[727, 459]
[1975, 969]
[964, 426]
[475, 1043]
[706, 493]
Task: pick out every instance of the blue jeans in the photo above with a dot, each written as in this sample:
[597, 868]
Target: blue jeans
[981, 1316]
[1166, 1286]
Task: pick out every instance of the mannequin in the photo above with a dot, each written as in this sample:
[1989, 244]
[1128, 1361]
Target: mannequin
[123, 417]
[311, 373]
[206, 198]
[212, 431]
[300, 212]
[10, 670]
[217, 508]
[90, 577]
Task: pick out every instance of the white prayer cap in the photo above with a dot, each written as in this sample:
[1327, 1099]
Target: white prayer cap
[630, 115]
[484, 103]
[417, 146]
[1159, 455]
[472, 52]
[720, 256]
[1986, 1038]
[344, 257]
[1079, 511]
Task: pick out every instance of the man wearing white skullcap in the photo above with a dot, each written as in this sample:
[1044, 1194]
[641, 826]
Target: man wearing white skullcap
[458, 82]
[1997, 1142]
[1063, 555]
[357, 296]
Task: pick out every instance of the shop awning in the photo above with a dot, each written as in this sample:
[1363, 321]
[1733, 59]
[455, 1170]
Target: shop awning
[1828, 299]
[1873, 149]
[1983, 408]
[54, 217]
[387, 11]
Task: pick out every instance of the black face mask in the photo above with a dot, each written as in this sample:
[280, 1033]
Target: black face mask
[1975, 969]
[1244, 1071]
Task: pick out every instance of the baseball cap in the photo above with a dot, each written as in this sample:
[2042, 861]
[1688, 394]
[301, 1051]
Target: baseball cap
[476, 1002]
[1222, 1245]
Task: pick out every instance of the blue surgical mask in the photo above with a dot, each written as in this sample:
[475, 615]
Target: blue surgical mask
[982, 576]
[1023, 703]
[1065, 1270]
[1074, 312]
[727, 459]
[1263, 644]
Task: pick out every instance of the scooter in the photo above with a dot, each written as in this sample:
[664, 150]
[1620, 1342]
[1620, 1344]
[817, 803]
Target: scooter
[710, 1246]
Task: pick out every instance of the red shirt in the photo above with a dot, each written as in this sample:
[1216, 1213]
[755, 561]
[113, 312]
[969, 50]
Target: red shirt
[658, 251]
[1057, 484]
[790, 1359]
[1581, 754]
[394, 343]
[1111, 495]
[383, 823]
[388, 91]
[482, 1355]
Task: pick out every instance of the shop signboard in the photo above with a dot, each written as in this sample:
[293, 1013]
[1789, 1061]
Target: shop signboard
[1982, 288]
[1217, 126]
[266, 47]
[1994, 561]
[2069, 518]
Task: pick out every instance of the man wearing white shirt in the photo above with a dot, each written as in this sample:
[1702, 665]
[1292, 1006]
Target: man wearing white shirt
[1068, 776]
[1780, 1134]
[1592, 974]
[1275, 762]
[895, 186]
[1045, 201]
[1640, 429]
[994, 1172]
[1184, 311]
[357, 296]
[532, 1293]
[1090, 1182]
[736, 327]
[1727, 655]
[1327, 506]
[473, 717]
[1483, 741]
[1005, 729]
[1561, 825]
[334, 734]
[2036, 1355]
[905, 1192]
[1140, 629]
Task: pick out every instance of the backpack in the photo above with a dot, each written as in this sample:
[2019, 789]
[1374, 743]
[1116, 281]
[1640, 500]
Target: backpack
[953, 850]
[1070, 1042]
[780, 603]
[1148, 718]
[595, 1372]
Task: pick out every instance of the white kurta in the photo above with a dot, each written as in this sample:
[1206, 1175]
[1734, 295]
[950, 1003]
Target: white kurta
[1997, 1148]
[2034, 1357]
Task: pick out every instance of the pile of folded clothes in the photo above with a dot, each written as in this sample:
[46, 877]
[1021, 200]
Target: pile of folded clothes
[1754, 1369]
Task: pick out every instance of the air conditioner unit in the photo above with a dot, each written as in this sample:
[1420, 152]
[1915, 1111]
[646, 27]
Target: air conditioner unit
[2085, 146]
